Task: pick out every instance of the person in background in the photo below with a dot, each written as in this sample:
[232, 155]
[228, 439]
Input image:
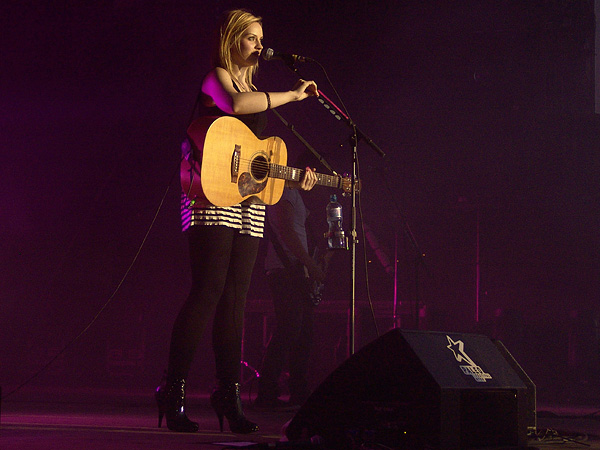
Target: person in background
[291, 272]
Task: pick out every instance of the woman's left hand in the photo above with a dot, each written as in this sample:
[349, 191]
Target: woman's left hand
[304, 89]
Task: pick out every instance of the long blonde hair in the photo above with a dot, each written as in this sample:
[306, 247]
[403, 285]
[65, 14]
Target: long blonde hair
[229, 36]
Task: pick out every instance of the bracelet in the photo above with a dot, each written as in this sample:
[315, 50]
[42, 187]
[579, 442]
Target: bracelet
[268, 100]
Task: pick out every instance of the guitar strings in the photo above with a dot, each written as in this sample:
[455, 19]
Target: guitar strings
[266, 166]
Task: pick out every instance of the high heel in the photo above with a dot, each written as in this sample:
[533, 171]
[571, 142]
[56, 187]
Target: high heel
[170, 399]
[226, 402]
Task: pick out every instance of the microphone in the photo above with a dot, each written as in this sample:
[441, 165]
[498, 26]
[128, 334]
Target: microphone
[270, 54]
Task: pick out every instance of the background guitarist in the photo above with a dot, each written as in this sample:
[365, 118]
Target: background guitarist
[223, 241]
[286, 259]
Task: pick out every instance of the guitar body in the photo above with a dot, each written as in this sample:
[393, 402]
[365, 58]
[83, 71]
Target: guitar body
[229, 164]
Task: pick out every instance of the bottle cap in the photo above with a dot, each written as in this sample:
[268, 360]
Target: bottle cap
[333, 198]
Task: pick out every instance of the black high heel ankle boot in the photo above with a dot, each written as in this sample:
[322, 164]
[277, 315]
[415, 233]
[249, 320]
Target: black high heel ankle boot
[170, 399]
[226, 401]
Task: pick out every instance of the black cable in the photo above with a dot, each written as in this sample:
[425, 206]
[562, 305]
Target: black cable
[550, 435]
[108, 302]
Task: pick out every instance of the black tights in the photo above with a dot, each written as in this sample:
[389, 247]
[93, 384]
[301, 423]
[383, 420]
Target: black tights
[222, 261]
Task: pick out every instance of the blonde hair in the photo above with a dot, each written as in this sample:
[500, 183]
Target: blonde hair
[230, 32]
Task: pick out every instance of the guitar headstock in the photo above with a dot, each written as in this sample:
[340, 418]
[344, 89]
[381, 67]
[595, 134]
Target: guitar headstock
[346, 185]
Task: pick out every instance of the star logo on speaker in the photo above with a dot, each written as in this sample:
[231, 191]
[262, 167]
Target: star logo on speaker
[472, 369]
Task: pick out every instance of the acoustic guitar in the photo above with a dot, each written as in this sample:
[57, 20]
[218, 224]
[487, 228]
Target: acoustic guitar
[228, 164]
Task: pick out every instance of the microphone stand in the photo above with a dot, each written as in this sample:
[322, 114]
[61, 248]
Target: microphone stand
[356, 135]
[419, 258]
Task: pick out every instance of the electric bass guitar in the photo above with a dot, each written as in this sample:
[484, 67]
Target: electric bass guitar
[228, 164]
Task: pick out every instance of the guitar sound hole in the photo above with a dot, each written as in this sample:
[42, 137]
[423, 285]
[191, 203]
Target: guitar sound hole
[259, 168]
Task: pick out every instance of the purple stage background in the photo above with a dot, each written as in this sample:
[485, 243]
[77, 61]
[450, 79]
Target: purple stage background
[485, 110]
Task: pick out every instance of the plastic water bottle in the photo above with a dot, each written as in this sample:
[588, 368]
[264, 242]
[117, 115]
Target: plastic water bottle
[335, 235]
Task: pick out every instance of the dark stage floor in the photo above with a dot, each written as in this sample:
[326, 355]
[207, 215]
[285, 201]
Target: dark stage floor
[125, 420]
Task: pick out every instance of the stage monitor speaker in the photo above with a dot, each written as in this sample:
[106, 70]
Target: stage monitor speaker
[531, 409]
[418, 389]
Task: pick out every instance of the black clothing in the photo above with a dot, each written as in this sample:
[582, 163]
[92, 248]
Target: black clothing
[222, 260]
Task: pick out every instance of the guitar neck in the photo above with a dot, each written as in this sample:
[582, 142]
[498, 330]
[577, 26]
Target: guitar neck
[293, 174]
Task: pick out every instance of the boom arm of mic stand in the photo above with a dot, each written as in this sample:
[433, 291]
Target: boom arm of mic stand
[339, 115]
